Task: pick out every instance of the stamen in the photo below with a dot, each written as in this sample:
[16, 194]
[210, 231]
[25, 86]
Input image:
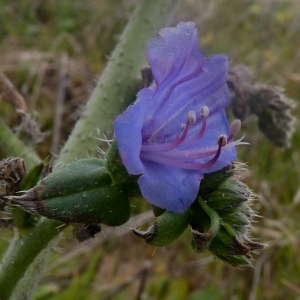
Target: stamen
[184, 165]
[222, 140]
[234, 128]
[181, 138]
[192, 117]
[184, 155]
[199, 135]
[204, 111]
[178, 140]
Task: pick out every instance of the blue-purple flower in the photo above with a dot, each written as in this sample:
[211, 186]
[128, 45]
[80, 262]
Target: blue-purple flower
[177, 130]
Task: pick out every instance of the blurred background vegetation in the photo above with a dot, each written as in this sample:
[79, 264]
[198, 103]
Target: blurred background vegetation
[42, 42]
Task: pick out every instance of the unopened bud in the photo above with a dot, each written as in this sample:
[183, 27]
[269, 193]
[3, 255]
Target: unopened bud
[79, 192]
[221, 219]
[230, 193]
[167, 228]
[273, 109]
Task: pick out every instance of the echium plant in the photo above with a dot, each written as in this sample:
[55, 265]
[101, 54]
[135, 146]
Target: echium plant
[175, 143]
[173, 147]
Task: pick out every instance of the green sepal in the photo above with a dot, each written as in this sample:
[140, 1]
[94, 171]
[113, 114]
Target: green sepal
[205, 224]
[74, 178]
[226, 245]
[118, 172]
[236, 260]
[231, 193]
[79, 192]
[211, 181]
[114, 165]
[167, 228]
[22, 219]
[236, 218]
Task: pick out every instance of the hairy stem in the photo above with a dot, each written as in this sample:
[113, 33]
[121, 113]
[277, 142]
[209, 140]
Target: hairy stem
[25, 249]
[117, 86]
[32, 276]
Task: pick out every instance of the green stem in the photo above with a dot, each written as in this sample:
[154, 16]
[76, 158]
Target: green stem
[114, 91]
[10, 145]
[26, 285]
[25, 249]
[117, 86]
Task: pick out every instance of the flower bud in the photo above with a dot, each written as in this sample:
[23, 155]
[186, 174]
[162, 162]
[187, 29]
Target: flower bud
[236, 218]
[231, 248]
[231, 193]
[167, 228]
[273, 109]
[79, 192]
[220, 221]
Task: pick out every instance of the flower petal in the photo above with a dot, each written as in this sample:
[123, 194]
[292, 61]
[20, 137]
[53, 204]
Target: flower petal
[128, 132]
[207, 87]
[185, 79]
[172, 48]
[167, 187]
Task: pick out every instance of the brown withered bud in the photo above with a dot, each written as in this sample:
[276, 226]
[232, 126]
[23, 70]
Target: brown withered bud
[269, 103]
[238, 81]
[12, 171]
[201, 240]
[273, 109]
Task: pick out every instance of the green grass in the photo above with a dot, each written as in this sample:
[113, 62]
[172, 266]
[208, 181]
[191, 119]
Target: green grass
[263, 35]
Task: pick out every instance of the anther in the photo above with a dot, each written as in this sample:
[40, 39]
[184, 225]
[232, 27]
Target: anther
[204, 111]
[235, 127]
[222, 140]
[192, 117]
